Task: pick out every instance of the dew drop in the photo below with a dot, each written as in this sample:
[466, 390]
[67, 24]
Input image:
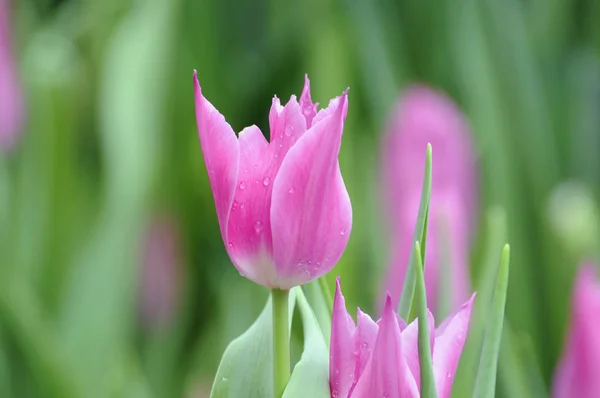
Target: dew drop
[334, 393]
[266, 181]
[243, 185]
[291, 190]
[289, 130]
[343, 232]
[258, 227]
[243, 205]
[231, 245]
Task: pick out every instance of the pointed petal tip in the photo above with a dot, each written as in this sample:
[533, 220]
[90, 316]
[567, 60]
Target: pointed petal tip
[387, 307]
[306, 84]
[338, 291]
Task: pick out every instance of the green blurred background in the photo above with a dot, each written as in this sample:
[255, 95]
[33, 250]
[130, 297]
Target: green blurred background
[110, 155]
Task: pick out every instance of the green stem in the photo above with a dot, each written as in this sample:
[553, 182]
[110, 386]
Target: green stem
[326, 293]
[281, 344]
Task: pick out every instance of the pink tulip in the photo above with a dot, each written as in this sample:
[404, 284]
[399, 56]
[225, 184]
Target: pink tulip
[381, 359]
[578, 370]
[423, 116]
[11, 102]
[282, 206]
[160, 272]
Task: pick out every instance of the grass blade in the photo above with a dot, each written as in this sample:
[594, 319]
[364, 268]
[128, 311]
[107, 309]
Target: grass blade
[485, 384]
[425, 361]
[408, 289]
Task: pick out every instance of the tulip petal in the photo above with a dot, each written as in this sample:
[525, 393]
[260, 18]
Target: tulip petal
[387, 374]
[449, 341]
[11, 98]
[221, 155]
[364, 341]
[248, 231]
[311, 215]
[341, 359]
[410, 345]
[577, 373]
[309, 110]
[287, 124]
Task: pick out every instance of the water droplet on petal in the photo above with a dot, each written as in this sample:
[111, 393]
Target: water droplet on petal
[289, 130]
[243, 185]
[266, 181]
[258, 227]
[230, 245]
[343, 232]
[291, 190]
[243, 205]
[334, 393]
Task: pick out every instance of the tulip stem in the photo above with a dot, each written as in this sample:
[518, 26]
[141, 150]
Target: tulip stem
[281, 344]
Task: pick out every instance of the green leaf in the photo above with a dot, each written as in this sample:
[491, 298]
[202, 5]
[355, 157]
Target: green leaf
[408, 289]
[485, 385]
[425, 361]
[246, 369]
[316, 293]
[496, 226]
[310, 377]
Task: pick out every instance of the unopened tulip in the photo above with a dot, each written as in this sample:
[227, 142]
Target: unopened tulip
[11, 101]
[578, 370]
[381, 359]
[283, 208]
[423, 116]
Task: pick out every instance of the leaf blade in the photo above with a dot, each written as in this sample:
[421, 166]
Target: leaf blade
[408, 289]
[485, 384]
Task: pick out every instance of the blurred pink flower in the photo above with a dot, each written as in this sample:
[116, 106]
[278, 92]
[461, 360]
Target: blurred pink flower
[11, 101]
[382, 359]
[283, 208]
[578, 371]
[160, 282]
[423, 116]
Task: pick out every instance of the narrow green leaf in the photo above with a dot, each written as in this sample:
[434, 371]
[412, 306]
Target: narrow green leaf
[408, 289]
[485, 384]
[246, 369]
[315, 295]
[425, 361]
[496, 233]
[310, 377]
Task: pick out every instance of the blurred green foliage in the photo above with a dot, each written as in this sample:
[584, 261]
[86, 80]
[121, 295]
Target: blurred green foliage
[110, 142]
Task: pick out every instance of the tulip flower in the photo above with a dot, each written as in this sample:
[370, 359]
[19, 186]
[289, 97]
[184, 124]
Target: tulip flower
[282, 206]
[578, 370]
[11, 102]
[423, 116]
[160, 272]
[381, 359]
